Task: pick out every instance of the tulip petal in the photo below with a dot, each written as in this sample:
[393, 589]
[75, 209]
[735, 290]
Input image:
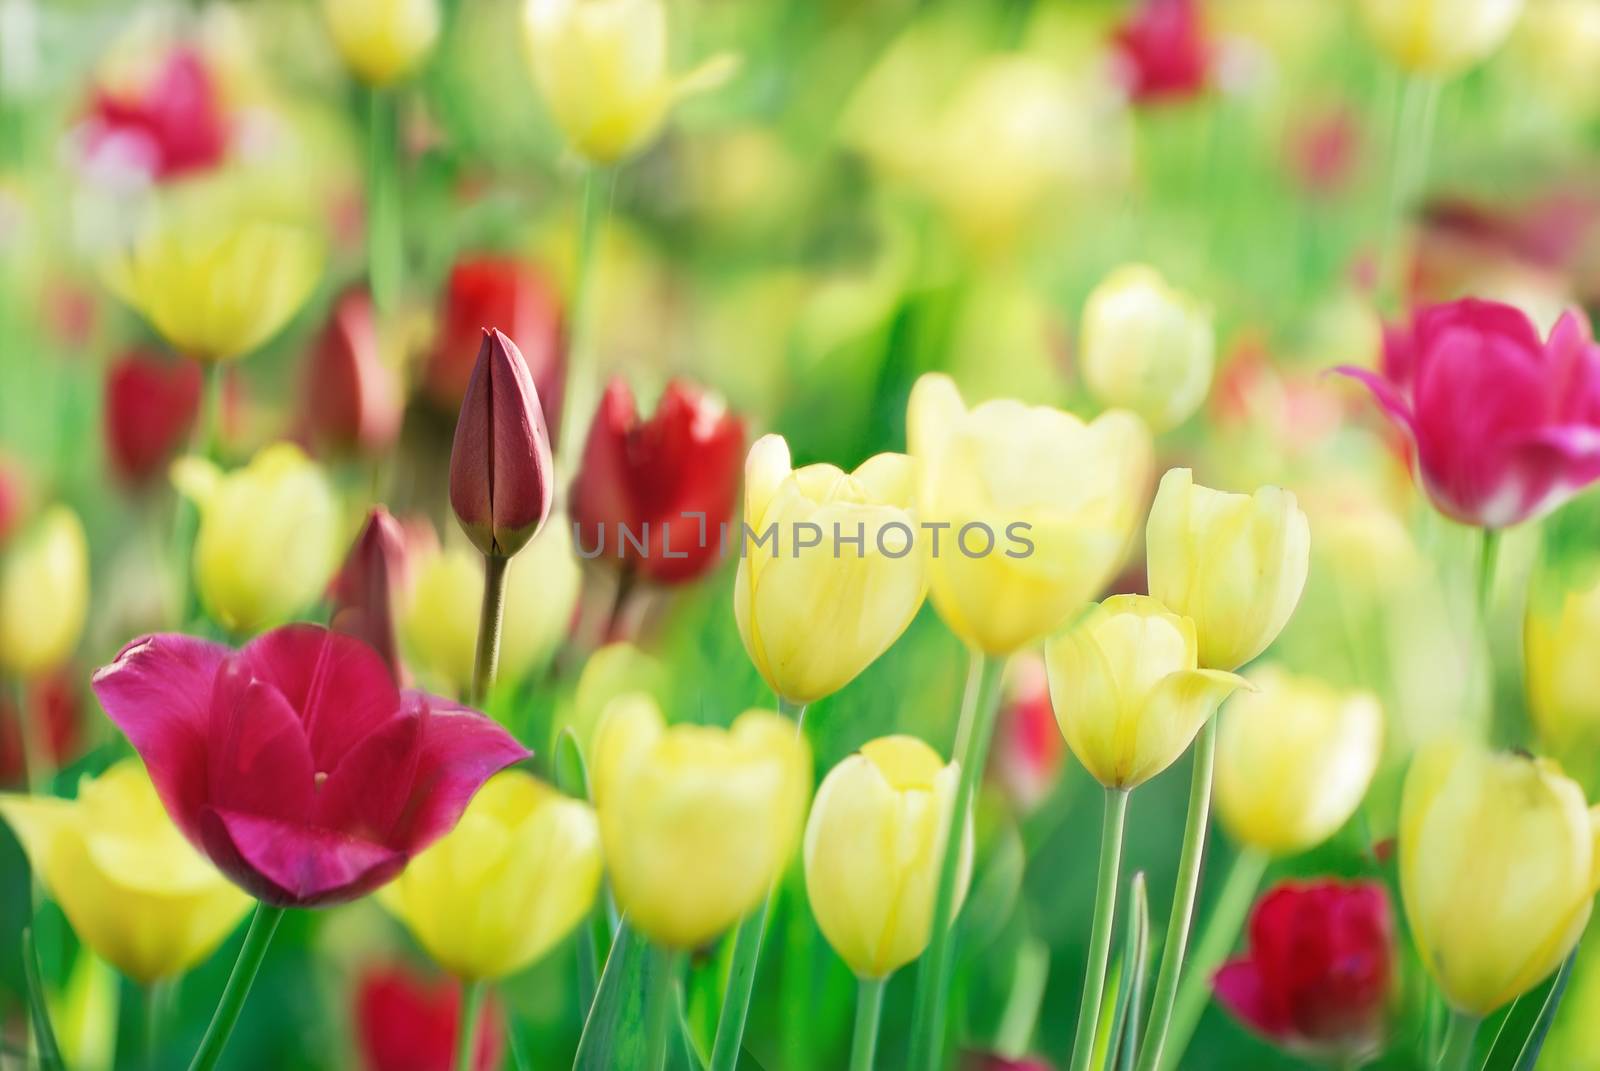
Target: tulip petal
[1387, 395]
[1239, 987]
[259, 760]
[369, 789]
[295, 865]
[459, 749]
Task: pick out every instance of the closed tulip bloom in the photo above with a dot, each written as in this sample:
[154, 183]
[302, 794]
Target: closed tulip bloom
[1059, 497]
[364, 590]
[294, 763]
[696, 822]
[1294, 759]
[1560, 635]
[501, 474]
[872, 852]
[351, 396]
[1163, 51]
[516, 874]
[269, 535]
[1128, 691]
[1439, 37]
[44, 593]
[407, 1022]
[1506, 427]
[1235, 564]
[382, 40]
[813, 618]
[1497, 870]
[1147, 347]
[150, 407]
[132, 887]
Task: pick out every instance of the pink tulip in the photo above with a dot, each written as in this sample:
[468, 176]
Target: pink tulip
[171, 127]
[1163, 51]
[294, 763]
[1506, 427]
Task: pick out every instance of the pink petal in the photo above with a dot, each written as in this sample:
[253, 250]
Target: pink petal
[1239, 987]
[1387, 395]
[1553, 464]
[295, 865]
[259, 760]
[369, 790]
[460, 749]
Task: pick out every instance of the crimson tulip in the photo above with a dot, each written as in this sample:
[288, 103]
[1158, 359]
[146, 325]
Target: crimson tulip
[1163, 51]
[1506, 427]
[1317, 974]
[170, 127]
[53, 707]
[362, 591]
[151, 403]
[670, 482]
[352, 397]
[13, 495]
[294, 763]
[407, 1022]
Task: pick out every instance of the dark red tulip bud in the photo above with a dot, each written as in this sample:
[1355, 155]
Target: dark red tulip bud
[500, 468]
[170, 127]
[671, 481]
[519, 300]
[1317, 974]
[352, 397]
[1163, 51]
[150, 408]
[406, 1022]
[363, 590]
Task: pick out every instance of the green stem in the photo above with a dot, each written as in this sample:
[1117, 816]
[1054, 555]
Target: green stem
[256, 939]
[1413, 140]
[1194, 844]
[156, 996]
[598, 184]
[662, 1002]
[1222, 928]
[1457, 1054]
[384, 258]
[869, 1011]
[472, 996]
[1488, 558]
[971, 753]
[1105, 910]
[487, 662]
[44, 1035]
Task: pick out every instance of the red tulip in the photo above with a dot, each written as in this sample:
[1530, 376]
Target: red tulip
[1506, 427]
[406, 1022]
[519, 300]
[362, 592]
[13, 494]
[1030, 747]
[1316, 977]
[150, 408]
[55, 719]
[1163, 51]
[671, 481]
[352, 398]
[501, 474]
[981, 1061]
[294, 763]
[171, 127]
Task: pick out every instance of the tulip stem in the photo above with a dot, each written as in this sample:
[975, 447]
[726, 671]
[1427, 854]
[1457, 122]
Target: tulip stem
[1183, 897]
[472, 996]
[1105, 910]
[489, 618]
[384, 257]
[256, 939]
[869, 1011]
[1459, 1038]
[598, 186]
[971, 753]
[1488, 558]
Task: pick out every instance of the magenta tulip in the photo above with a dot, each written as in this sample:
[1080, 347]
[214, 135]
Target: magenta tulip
[1506, 427]
[351, 397]
[363, 590]
[294, 763]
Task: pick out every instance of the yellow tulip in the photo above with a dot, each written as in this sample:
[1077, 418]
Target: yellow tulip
[1294, 759]
[872, 852]
[133, 888]
[812, 617]
[1147, 346]
[516, 874]
[697, 822]
[269, 538]
[1234, 563]
[382, 40]
[1560, 634]
[1059, 498]
[439, 615]
[1497, 870]
[215, 286]
[44, 593]
[601, 68]
[1127, 689]
[1439, 37]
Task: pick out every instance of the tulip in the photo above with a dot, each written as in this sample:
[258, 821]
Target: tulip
[1059, 497]
[601, 68]
[132, 887]
[44, 593]
[382, 41]
[874, 906]
[1236, 564]
[496, 893]
[1317, 975]
[268, 538]
[668, 483]
[408, 1023]
[351, 395]
[1506, 428]
[1127, 689]
[991, 1062]
[813, 618]
[294, 763]
[1439, 38]
[362, 592]
[516, 298]
[150, 409]
[1294, 759]
[696, 822]
[1147, 347]
[1497, 870]
[168, 128]
[1028, 748]
[54, 720]
[1163, 51]
[13, 497]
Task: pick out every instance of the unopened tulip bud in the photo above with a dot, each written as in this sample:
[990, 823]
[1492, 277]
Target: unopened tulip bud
[44, 593]
[150, 408]
[407, 1022]
[501, 474]
[875, 907]
[1147, 347]
[382, 40]
[1439, 37]
[363, 590]
[351, 395]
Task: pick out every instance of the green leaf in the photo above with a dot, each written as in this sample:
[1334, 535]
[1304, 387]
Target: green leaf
[44, 1038]
[627, 1023]
[1523, 1031]
[572, 774]
[1133, 973]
